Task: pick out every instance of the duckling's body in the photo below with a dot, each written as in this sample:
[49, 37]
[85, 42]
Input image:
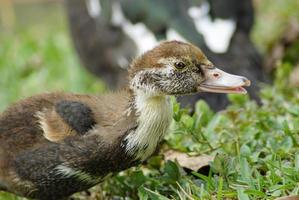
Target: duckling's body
[49, 152]
[55, 144]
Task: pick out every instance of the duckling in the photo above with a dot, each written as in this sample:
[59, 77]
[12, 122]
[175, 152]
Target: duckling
[55, 144]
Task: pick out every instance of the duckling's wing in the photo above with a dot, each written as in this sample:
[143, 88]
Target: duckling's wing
[77, 115]
[67, 118]
[55, 116]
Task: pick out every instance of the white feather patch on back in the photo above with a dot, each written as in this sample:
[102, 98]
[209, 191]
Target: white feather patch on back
[80, 175]
[43, 124]
[155, 115]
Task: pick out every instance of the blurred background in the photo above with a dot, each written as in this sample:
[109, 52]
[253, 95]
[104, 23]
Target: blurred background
[85, 46]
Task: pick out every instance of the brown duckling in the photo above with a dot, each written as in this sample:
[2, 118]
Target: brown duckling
[53, 145]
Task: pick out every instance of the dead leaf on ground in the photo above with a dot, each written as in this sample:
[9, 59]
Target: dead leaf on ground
[295, 197]
[191, 162]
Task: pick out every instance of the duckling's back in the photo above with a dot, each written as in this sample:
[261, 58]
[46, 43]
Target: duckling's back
[36, 161]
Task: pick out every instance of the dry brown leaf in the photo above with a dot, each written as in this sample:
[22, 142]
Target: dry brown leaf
[191, 162]
[295, 197]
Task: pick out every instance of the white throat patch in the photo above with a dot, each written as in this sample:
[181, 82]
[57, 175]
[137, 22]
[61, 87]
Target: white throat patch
[155, 115]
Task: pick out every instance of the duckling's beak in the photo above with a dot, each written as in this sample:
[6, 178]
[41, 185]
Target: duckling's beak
[218, 81]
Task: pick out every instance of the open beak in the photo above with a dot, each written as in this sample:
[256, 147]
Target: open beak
[218, 81]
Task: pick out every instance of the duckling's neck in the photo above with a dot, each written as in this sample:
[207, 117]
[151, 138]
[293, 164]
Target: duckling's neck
[154, 114]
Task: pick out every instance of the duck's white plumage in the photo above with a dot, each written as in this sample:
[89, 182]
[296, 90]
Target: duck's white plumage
[218, 33]
[94, 8]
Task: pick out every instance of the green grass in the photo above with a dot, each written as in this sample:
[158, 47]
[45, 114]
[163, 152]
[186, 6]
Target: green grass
[256, 148]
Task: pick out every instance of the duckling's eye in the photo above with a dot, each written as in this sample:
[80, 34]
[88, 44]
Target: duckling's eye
[179, 65]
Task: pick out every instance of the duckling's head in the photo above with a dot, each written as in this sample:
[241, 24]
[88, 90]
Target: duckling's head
[178, 68]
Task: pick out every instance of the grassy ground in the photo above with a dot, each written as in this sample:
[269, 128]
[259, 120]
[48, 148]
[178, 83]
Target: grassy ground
[256, 148]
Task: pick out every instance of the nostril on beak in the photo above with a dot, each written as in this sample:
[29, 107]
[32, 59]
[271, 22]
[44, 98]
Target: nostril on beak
[216, 75]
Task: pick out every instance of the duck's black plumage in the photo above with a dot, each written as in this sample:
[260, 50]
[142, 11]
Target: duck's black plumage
[241, 57]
